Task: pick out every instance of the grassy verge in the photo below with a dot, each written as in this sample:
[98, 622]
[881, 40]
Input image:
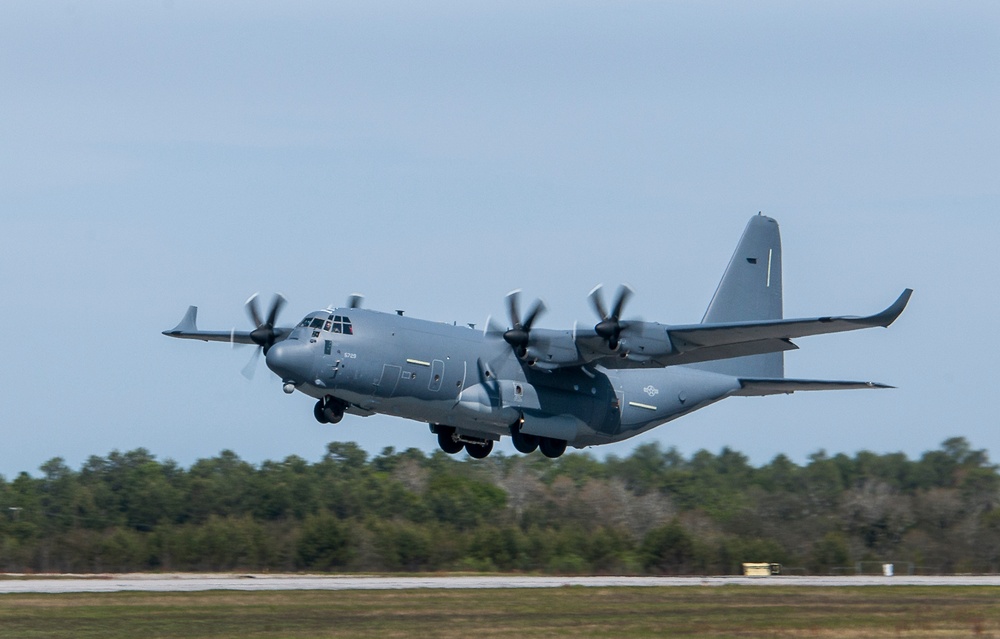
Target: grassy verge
[728, 611]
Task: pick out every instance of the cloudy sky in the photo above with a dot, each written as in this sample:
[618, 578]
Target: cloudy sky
[434, 156]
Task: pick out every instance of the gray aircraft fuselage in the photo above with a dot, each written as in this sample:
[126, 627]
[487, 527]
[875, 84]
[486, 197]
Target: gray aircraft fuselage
[457, 376]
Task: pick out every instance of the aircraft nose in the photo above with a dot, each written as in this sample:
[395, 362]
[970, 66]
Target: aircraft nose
[290, 360]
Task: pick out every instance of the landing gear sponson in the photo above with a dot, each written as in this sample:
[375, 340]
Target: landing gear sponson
[451, 442]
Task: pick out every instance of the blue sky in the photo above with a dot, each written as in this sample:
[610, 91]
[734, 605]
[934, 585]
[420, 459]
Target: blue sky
[159, 154]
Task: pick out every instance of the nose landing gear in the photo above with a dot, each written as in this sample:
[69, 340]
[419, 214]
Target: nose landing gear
[329, 410]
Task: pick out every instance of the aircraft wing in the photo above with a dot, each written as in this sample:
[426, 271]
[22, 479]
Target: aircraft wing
[188, 329]
[735, 339]
[693, 343]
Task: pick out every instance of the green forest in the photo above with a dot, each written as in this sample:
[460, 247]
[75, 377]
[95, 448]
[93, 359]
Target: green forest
[652, 512]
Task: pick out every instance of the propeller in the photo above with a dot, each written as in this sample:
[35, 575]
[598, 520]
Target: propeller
[519, 334]
[610, 326]
[354, 300]
[493, 328]
[251, 367]
[264, 335]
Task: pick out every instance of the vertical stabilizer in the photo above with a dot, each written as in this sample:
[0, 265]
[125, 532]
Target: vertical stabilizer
[750, 290]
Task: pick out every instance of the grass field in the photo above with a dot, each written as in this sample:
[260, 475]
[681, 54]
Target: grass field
[728, 611]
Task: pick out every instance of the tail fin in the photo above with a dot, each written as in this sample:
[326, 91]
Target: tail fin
[750, 290]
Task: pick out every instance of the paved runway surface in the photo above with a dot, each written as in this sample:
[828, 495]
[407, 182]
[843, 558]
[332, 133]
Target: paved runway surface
[193, 582]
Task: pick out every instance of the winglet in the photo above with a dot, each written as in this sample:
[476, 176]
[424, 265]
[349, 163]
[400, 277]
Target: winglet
[889, 315]
[188, 324]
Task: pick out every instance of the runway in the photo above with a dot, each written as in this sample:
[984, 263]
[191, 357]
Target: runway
[260, 582]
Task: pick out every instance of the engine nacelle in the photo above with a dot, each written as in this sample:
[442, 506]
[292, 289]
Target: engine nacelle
[644, 341]
[552, 349]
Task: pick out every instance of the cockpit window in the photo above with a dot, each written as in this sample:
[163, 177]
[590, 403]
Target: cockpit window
[342, 324]
[332, 323]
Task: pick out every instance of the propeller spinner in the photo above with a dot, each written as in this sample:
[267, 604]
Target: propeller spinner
[610, 326]
[519, 334]
[264, 334]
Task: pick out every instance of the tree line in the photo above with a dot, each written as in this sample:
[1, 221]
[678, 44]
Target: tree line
[654, 511]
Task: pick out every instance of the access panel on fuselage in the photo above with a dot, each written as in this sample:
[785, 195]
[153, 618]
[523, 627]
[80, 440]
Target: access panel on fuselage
[389, 380]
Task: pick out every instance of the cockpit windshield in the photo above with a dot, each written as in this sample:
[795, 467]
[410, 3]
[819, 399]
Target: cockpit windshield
[330, 323]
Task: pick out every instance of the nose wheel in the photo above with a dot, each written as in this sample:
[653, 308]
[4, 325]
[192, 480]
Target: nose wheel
[329, 410]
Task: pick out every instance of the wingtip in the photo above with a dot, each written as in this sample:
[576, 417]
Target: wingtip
[189, 323]
[892, 313]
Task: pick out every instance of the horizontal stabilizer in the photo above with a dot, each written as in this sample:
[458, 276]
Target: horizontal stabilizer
[757, 387]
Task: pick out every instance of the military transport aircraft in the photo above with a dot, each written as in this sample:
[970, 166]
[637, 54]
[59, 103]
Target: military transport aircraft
[545, 388]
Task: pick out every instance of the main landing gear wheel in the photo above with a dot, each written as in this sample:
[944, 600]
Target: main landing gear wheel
[479, 451]
[448, 443]
[523, 442]
[552, 448]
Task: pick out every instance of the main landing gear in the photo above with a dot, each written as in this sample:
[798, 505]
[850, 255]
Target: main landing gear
[452, 443]
[551, 448]
[527, 443]
[329, 410]
[448, 443]
[523, 442]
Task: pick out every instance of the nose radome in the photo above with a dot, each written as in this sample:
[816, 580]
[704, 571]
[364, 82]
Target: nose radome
[290, 360]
